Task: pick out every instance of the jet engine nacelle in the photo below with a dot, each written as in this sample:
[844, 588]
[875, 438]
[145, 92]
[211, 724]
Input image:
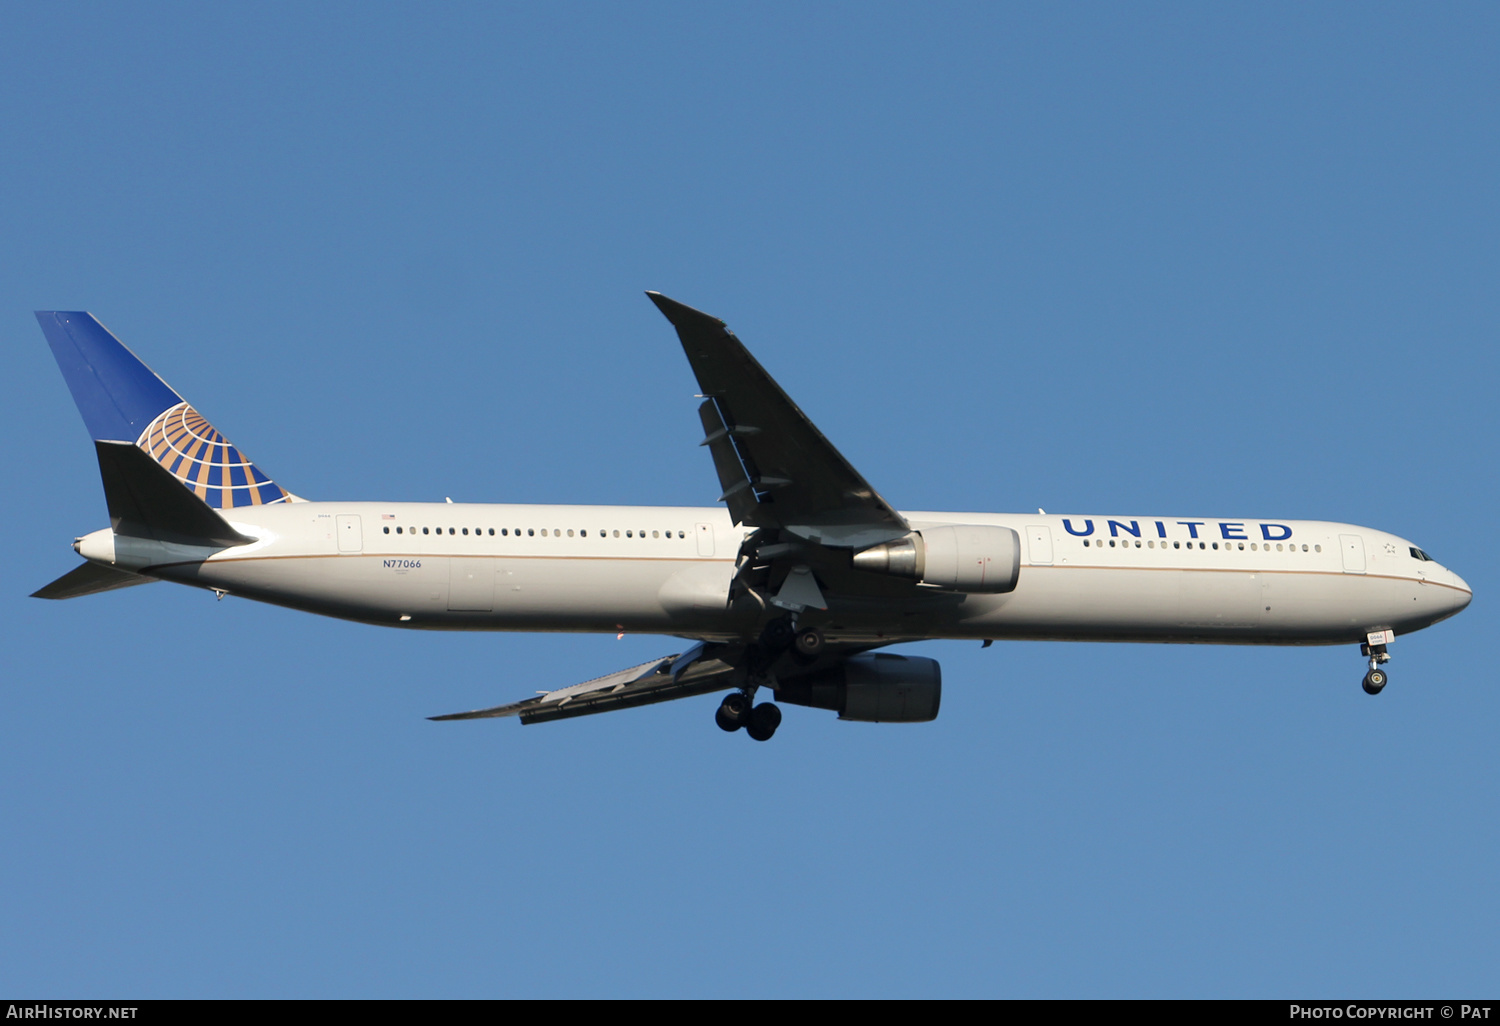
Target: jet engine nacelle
[875, 687]
[963, 557]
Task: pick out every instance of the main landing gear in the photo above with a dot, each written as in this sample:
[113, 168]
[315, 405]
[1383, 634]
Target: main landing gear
[778, 637]
[1376, 679]
[782, 634]
[759, 721]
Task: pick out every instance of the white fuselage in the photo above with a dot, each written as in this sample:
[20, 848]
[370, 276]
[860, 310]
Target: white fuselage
[667, 570]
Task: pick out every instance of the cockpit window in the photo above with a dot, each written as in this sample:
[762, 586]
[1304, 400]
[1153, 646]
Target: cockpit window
[1417, 553]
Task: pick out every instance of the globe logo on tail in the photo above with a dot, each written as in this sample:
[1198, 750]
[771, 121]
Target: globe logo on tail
[204, 460]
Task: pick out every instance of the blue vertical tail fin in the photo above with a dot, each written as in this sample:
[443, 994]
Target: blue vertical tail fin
[123, 400]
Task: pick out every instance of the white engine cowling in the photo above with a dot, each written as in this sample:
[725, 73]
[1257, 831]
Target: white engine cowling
[961, 557]
[874, 687]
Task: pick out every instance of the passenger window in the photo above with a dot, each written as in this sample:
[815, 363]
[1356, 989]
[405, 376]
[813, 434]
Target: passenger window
[530, 532]
[424, 530]
[1317, 548]
[387, 530]
[466, 532]
[492, 532]
[617, 534]
[655, 535]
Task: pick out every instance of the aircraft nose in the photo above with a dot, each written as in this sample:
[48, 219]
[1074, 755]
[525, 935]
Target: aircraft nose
[1463, 596]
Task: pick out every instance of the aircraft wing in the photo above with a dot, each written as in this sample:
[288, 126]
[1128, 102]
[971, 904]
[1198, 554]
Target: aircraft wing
[776, 468]
[694, 672]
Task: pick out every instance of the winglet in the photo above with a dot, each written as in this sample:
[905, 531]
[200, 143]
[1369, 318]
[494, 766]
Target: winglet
[680, 314]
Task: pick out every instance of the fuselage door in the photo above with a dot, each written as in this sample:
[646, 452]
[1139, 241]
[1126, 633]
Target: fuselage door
[1353, 547]
[351, 538]
[705, 539]
[1039, 543]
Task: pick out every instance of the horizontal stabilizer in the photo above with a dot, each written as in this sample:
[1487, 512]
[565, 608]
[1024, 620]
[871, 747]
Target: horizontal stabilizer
[146, 501]
[89, 579]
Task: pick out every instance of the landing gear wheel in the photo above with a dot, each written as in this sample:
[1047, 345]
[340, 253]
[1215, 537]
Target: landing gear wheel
[733, 713]
[778, 634]
[764, 719]
[809, 643]
[1374, 682]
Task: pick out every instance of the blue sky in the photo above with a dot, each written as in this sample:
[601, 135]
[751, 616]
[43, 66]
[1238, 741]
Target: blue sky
[1233, 260]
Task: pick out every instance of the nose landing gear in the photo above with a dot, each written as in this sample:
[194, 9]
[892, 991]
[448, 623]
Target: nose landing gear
[1375, 680]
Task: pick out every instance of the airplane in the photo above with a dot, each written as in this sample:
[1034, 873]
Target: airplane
[794, 584]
